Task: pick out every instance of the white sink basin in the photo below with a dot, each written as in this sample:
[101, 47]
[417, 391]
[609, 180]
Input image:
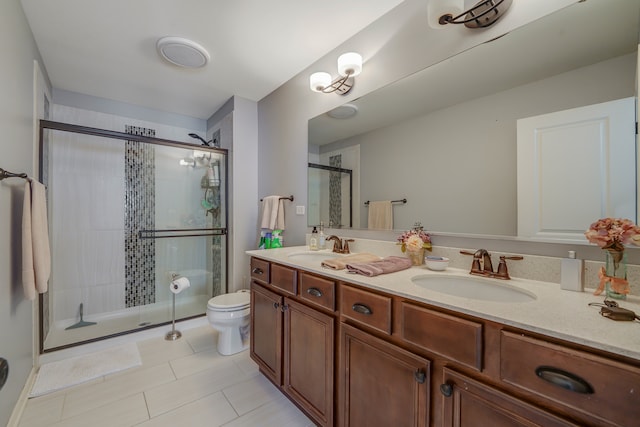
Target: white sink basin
[312, 256]
[473, 288]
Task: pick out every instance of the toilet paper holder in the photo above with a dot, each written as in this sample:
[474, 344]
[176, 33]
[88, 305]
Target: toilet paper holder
[173, 334]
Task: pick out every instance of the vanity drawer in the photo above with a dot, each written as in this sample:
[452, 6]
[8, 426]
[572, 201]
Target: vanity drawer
[284, 278]
[448, 336]
[260, 270]
[592, 385]
[318, 291]
[367, 308]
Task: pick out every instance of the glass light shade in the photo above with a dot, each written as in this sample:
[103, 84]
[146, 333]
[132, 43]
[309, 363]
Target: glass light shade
[350, 63]
[319, 81]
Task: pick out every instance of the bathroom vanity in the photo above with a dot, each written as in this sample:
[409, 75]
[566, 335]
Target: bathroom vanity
[351, 350]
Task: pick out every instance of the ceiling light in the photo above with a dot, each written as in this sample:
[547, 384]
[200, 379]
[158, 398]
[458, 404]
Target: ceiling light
[483, 14]
[349, 66]
[183, 52]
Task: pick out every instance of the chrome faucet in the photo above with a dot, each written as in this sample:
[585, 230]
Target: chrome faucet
[340, 246]
[482, 265]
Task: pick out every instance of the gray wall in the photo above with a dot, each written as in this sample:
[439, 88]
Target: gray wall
[16, 155]
[395, 46]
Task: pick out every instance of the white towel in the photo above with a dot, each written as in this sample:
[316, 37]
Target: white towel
[272, 213]
[380, 215]
[36, 255]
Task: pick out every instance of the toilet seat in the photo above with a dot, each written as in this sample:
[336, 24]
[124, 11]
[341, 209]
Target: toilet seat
[230, 302]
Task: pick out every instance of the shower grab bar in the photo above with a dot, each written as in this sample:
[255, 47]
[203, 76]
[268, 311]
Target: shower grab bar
[177, 232]
[6, 174]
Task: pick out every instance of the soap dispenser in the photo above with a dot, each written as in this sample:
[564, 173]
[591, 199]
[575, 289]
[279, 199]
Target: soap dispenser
[313, 240]
[571, 273]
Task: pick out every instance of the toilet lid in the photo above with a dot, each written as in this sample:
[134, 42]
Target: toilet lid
[230, 301]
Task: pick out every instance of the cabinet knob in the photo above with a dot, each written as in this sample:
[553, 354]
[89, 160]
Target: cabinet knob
[420, 376]
[284, 307]
[446, 389]
[362, 309]
[276, 305]
[564, 379]
[315, 292]
[257, 271]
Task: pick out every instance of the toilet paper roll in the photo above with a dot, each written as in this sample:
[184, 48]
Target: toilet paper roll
[179, 284]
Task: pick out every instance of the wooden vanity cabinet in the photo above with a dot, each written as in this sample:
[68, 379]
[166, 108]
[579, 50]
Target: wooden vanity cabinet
[400, 362]
[293, 342]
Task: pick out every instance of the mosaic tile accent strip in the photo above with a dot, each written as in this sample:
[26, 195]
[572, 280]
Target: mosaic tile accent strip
[335, 191]
[139, 214]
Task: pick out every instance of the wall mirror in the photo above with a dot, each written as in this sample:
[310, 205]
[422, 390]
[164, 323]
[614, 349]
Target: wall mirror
[444, 138]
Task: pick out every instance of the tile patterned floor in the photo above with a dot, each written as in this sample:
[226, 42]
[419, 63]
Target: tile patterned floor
[180, 383]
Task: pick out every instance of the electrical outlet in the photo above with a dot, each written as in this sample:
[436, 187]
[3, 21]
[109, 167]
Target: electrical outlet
[299, 210]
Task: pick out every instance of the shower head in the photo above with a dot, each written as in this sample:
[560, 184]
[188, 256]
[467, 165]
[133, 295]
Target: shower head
[196, 136]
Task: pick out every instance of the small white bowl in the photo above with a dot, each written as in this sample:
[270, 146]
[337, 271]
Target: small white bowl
[436, 263]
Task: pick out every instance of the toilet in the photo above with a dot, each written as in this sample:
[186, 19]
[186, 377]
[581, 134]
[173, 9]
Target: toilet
[229, 315]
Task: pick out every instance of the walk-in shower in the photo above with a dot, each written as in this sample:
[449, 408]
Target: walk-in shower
[127, 212]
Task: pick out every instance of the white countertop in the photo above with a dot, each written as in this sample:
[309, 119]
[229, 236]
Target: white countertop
[555, 312]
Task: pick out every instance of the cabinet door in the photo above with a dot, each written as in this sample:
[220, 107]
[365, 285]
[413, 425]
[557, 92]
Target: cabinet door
[381, 384]
[308, 360]
[468, 401]
[266, 331]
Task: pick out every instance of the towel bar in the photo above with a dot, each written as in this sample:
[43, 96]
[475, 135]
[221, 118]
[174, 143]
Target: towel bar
[393, 201]
[283, 198]
[6, 174]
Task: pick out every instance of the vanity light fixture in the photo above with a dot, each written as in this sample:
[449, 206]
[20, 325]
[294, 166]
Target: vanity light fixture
[483, 14]
[349, 66]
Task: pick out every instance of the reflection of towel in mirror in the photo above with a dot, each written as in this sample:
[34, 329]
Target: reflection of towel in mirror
[386, 265]
[36, 255]
[380, 215]
[272, 213]
[341, 263]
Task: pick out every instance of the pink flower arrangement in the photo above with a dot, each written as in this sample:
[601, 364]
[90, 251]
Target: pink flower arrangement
[415, 239]
[612, 233]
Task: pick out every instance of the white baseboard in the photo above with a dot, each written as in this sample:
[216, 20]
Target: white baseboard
[18, 409]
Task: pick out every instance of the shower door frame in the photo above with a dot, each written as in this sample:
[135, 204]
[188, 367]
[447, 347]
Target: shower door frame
[213, 231]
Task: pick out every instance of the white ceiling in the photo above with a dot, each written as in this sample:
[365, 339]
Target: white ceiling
[107, 48]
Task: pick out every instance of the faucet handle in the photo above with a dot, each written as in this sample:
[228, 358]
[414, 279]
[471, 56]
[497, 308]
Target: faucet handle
[345, 246]
[475, 265]
[503, 272]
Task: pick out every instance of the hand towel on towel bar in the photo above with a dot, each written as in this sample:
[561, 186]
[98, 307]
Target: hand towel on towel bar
[380, 215]
[36, 255]
[341, 263]
[272, 213]
[386, 265]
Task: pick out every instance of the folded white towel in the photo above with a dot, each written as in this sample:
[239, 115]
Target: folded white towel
[272, 213]
[36, 255]
[380, 215]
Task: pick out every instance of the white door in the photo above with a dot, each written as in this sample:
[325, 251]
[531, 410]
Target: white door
[574, 167]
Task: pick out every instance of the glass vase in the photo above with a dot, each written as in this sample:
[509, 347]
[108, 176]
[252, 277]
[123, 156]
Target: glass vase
[416, 256]
[615, 268]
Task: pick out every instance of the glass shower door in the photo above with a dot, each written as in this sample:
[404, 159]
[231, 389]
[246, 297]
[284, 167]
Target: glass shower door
[127, 215]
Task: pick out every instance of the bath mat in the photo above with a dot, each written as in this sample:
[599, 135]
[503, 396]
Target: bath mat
[77, 370]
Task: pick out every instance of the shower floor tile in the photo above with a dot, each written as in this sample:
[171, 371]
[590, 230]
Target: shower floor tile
[184, 382]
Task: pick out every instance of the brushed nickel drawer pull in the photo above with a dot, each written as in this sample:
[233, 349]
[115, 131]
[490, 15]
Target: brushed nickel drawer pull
[315, 292]
[564, 379]
[362, 309]
[257, 271]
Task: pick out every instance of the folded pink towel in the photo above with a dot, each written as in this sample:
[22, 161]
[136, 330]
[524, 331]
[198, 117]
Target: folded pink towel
[386, 265]
[341, 263]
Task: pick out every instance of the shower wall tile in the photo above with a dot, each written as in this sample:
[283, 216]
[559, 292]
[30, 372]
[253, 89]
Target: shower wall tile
[66, 303]
[110, 257]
